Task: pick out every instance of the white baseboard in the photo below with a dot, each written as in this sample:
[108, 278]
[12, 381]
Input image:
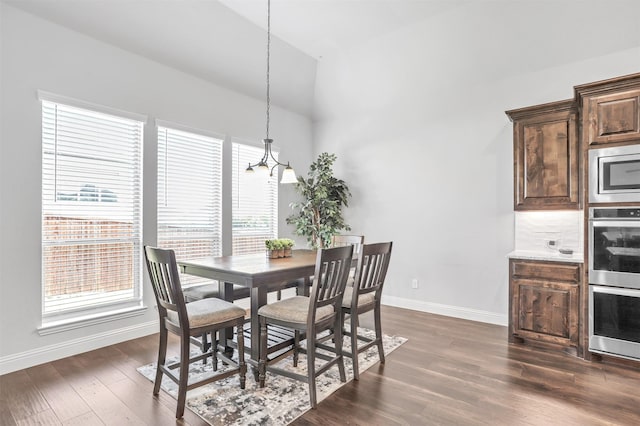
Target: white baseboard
[447, 310]
[49, 353]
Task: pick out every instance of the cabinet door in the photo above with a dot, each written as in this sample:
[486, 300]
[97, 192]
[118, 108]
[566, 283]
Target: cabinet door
[613, 118]
[546, 162]
[545, 311]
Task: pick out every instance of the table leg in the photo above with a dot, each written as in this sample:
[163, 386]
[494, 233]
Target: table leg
[258, 299]
[225, 290]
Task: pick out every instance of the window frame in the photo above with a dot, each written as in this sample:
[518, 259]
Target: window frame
[240, 169]
[65, 319]
[216, 193]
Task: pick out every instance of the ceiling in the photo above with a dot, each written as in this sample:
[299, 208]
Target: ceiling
[225, 42]
[320, 27]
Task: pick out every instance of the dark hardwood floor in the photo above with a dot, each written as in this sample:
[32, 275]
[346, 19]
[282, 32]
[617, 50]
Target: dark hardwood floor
[450, 371]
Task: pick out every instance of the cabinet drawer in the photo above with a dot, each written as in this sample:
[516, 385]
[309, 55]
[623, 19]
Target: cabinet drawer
[546, 271]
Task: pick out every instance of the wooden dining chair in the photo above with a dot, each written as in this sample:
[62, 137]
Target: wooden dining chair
[188, 320]
[365, 296]
[207, 291]
[343, 240]
[310, 315]
[356, 241]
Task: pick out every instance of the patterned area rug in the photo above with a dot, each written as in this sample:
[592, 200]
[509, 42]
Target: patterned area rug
[280, 402]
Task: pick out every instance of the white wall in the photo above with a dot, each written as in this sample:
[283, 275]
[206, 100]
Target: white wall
[417, 120]
[36, 54]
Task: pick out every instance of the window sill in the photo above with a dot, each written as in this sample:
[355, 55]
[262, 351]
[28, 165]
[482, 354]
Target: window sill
[60, 326]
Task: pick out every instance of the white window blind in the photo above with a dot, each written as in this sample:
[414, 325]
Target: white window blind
[255, 202]
[91, 211]
[189, 195]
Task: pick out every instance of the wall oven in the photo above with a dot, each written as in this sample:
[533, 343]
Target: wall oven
[614, 281]
[614, 174]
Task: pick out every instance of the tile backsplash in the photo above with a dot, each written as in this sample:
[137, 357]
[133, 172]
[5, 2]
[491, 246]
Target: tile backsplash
[534, 229]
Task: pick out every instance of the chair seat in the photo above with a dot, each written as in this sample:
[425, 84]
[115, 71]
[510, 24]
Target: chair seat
[363, 299]
[294, 310]
[208, 312]
[204, 291]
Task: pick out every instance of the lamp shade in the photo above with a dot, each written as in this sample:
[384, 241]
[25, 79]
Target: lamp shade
[288, 175]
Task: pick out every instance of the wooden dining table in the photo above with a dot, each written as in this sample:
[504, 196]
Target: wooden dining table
[257, 272]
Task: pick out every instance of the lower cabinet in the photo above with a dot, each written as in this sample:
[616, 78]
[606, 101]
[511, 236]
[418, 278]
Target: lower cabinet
[544, 302]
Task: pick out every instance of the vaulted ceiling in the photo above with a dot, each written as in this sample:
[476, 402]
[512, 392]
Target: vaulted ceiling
[225, 41]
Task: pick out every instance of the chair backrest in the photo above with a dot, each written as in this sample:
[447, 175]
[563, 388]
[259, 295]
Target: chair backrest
[330, 278]
[165, 280]
[345, 240]
[371, 269]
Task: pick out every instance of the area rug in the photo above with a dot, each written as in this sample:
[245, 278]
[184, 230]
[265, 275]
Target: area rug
[280, 402]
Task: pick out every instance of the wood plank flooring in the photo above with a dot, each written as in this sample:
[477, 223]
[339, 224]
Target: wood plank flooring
[450, 372]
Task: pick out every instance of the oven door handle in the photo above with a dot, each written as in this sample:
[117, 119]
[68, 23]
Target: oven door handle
[615, 290]
[619, 222]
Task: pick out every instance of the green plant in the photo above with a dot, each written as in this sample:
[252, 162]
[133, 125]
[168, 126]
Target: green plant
[274, 244]
[270, 244]
[318, 216]
[287, 243]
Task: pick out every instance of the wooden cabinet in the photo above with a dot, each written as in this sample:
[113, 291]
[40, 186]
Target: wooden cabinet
[546, 156]
[610, 110]
[544, 302]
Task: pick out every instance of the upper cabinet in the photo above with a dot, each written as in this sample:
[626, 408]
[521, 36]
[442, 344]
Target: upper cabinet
[546, 156]
[610, 110]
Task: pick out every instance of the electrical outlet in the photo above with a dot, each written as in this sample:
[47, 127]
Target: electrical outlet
[414, 283]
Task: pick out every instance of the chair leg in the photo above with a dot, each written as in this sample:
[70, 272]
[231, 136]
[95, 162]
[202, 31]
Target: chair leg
[262, 363]
[184, 375]
[311, 366]
[241, 363]
[162, 357]
[378, 326]
[214, 350]
[354, 346]
[338, 345]
[296, 347]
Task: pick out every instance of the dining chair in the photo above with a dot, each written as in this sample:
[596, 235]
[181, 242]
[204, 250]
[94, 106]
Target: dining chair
[206, 291]
[343, 240]
[310, 316]
[364, 296]
[356, 241]
[188, 320]
[336, 241]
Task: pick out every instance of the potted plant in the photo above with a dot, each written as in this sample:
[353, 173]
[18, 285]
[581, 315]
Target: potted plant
[272, 249]
[318, 216]
[278, 247]
[287, 244]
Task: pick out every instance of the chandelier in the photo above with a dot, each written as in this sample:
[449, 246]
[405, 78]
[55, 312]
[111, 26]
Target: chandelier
[288, 175]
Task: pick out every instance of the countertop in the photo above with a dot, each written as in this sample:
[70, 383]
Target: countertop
[548, 255]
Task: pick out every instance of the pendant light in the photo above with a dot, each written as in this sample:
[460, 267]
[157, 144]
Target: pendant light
[288, 175]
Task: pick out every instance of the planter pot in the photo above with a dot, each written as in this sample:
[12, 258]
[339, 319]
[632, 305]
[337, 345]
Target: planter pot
[280, 253]
[273, 254]
[287, 252]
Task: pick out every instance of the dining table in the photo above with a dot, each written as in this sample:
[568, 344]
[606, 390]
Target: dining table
[259, 273]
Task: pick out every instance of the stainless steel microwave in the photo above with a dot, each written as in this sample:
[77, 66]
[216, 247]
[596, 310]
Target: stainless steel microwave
[614, 174]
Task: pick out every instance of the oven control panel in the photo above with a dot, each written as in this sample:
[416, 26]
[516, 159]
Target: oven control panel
[616, 213]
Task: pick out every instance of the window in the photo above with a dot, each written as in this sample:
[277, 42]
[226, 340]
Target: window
[91, 210]
[255, 202]
[189, 195]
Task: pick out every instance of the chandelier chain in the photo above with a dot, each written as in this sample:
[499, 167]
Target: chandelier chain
[268, 60]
